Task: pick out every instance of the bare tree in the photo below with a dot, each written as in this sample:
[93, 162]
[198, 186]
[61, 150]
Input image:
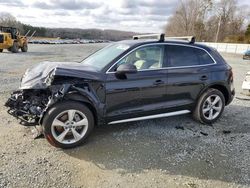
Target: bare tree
[226, 10]
[189, 18]
[8, 20]
[205, 18]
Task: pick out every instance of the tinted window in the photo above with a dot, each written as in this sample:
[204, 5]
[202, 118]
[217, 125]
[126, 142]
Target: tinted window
[203, 57]
[150, 57]
[179, 56]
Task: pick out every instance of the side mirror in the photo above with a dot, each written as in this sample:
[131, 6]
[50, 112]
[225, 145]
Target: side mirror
[126, 69]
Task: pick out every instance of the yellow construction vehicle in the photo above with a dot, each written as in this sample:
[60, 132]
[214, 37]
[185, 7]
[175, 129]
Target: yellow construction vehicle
[11, 40]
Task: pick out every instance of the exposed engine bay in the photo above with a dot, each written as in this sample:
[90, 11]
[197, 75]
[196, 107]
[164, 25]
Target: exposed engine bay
[29, 105]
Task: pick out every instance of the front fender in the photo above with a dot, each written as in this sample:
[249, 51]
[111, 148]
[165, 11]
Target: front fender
[83, 93]
[76, 96]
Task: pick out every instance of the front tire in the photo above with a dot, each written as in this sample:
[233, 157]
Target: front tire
[68, 124]
[1, 50]
[210, 106]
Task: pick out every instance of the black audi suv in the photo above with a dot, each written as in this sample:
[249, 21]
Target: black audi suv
[125, 81]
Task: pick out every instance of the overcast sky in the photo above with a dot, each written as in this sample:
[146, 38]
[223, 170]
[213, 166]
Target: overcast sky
[130, 15]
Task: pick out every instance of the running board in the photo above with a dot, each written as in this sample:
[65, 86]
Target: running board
[151, 117]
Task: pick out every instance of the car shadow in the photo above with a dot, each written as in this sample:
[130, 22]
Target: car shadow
[175, 145]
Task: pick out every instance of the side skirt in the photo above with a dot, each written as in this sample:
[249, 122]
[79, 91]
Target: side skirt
[151, 117]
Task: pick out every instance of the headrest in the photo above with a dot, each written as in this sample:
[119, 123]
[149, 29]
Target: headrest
[141, 54]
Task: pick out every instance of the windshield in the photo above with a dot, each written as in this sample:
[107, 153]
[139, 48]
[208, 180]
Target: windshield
[103, 57]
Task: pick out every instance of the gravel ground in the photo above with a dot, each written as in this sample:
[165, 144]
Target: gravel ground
[168, 152]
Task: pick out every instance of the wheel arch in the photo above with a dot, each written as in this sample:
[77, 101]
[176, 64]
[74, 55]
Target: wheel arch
[222, 88]
[76, 97]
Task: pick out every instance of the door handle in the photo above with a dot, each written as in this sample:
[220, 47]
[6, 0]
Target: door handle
[204, 77]
[158, 82]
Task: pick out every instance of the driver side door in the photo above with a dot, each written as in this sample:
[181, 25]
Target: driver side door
[138, 94]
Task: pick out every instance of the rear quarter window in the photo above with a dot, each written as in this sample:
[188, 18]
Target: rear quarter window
[204, 57]
[181, 56]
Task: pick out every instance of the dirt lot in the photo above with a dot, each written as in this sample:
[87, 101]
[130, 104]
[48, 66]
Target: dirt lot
[153, 153]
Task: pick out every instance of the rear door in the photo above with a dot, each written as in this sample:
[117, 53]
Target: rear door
[188, 73]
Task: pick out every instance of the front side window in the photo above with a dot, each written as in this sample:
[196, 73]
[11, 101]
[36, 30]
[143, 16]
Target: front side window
[181, 56]
[149, 57]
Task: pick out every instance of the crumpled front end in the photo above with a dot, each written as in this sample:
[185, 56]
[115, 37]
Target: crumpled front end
[28, 105]
[45, 84]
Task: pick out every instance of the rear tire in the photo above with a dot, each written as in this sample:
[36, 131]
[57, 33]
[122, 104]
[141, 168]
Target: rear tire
[24, 48]
[209, 107]
[68, 124]
[15, 47]
[1, 50]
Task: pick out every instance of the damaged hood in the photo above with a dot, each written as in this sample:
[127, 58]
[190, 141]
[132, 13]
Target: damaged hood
[38, 76]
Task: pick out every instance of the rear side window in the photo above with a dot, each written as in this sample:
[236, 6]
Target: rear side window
[181, 56]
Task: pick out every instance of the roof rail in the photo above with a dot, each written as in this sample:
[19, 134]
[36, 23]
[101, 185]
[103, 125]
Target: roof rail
[160, 37]
[190, 39]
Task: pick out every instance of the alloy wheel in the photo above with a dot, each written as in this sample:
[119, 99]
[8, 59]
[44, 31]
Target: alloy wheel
[69, 126]
[212, 107]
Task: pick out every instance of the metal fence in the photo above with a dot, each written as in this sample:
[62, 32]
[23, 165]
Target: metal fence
[229, 47]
